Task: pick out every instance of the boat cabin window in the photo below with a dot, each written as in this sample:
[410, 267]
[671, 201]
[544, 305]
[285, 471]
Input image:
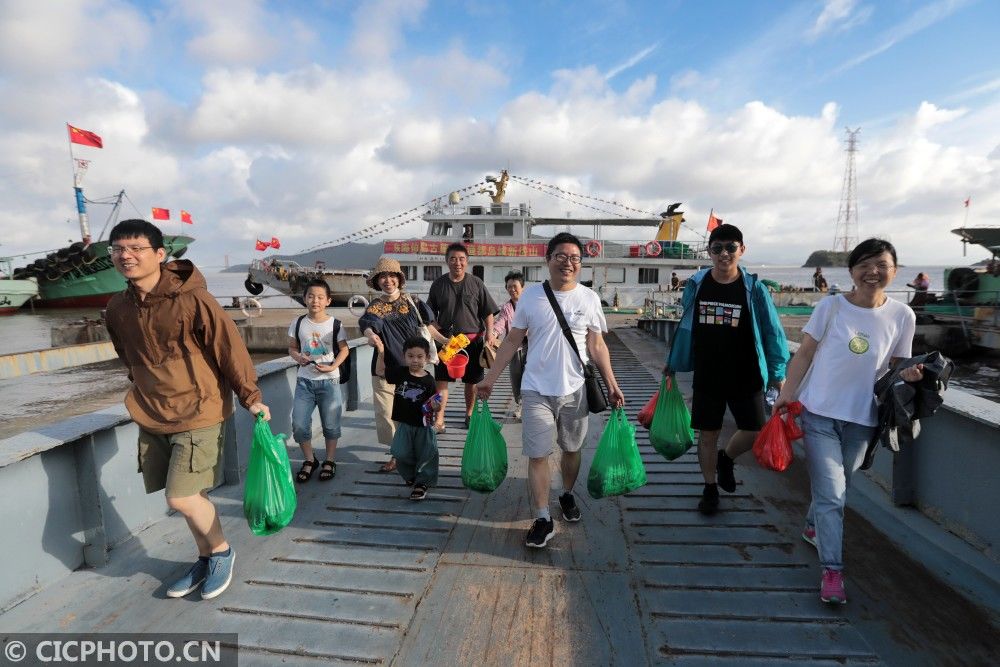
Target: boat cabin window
[409, 272]
[477, 271]
[503, 229]
[649, 276]
[432, 273]
[615, 274]
[440, 229]
[531, 274]
[471, 232]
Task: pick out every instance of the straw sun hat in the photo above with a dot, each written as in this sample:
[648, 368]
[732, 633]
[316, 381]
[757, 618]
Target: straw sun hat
[386, 265]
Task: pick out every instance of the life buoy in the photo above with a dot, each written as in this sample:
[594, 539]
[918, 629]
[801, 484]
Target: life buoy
[352, 305]
[251, 308]
[653, 249]
[593, 248]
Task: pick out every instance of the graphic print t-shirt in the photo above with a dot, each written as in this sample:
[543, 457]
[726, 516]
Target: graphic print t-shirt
[410, 395]
[316, 340]
[725, 356]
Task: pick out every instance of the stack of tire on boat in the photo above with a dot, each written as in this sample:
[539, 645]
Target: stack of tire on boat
[56, 264]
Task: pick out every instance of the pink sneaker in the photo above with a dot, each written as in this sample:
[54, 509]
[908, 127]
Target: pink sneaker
[809, 535]
[832, 588]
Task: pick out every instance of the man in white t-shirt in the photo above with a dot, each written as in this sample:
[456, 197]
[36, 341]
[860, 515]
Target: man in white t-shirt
[553, 398]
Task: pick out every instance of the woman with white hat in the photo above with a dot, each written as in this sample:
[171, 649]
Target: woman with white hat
[391, 319]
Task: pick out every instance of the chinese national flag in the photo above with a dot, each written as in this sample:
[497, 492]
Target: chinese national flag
[713, 221]
[83, 137]
[275, 243]
[262, 245]
[967, 202]
[186, 217]
[161, 213]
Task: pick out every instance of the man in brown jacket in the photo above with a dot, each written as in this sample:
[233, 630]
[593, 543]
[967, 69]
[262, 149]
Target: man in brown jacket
[185, 359]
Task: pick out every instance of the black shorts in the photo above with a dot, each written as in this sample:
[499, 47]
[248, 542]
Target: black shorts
[474, 373]
[708, 407]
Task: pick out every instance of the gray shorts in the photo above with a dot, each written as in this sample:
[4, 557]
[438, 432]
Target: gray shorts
[546, 417]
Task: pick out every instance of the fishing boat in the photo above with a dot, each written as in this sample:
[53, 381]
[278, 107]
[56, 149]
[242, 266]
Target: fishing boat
[14, 292]
[81, 274]
[501, 237]
[290, 278]
[966, 317]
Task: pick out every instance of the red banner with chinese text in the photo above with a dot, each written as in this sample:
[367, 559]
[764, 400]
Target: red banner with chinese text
[475, 249]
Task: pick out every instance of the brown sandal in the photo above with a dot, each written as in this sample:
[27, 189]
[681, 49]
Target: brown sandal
[388, 466]
[305, 475]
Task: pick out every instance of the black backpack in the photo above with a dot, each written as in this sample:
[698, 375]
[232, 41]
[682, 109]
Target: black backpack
[344, 368]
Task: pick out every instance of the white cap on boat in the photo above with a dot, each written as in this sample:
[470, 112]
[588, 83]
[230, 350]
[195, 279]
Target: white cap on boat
[454, 198]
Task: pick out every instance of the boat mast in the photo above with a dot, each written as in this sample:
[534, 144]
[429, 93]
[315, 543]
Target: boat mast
[79, 169]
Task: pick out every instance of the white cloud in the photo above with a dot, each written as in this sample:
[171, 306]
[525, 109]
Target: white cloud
[39, 38]
[379, 27]
[230, 32]
[838, 16]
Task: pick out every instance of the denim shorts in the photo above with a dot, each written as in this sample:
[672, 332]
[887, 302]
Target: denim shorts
[312, 394]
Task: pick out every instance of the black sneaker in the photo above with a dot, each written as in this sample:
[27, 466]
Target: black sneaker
[724, 469]
[570, 511]
[709, 503]
[540, 533]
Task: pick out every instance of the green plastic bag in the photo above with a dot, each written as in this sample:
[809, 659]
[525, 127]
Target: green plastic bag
[484, 458]
[269, 495]
[670, 433]
[617, 466]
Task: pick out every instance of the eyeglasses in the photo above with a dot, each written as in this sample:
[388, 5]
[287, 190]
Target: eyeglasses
[563, 258]
[731, 247]
[116, 250]
[883, 267]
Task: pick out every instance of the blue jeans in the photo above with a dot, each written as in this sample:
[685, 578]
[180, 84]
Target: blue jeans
[310, 394]
[835, 449]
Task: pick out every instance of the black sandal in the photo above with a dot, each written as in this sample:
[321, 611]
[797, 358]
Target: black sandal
[327, 470]
[419, 492]
[305, 475]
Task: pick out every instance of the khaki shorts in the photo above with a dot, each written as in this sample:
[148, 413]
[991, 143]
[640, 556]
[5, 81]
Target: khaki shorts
[185, 463]
[547, 418]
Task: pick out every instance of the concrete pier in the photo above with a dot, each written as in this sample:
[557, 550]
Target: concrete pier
[365, 576]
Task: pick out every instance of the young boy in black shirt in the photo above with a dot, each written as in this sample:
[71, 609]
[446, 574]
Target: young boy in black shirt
[414, 406]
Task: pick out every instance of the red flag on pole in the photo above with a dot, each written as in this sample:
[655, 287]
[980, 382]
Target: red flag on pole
[713, 221]
[275, 243]
[967, 202]
[161, 213]
[262, 245]
[83, 137]
[186, 217]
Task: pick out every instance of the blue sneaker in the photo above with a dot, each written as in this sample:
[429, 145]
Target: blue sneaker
[219, 576]
[190, 581]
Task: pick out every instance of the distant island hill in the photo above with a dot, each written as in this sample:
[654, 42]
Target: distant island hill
[827, 258]
[347, 256]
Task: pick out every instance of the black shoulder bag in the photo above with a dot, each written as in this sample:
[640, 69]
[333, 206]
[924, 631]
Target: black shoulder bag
[596, 400]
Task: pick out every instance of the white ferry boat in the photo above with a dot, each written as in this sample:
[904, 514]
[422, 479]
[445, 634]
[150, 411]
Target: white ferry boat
[501, 237]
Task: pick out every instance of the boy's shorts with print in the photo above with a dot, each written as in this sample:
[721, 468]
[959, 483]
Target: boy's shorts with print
[185, 463]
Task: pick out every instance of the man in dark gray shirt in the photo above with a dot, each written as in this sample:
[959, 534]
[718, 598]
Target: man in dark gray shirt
[462, 304]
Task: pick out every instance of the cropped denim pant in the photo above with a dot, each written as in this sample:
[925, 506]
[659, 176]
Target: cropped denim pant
[312, 394]
[835, 449]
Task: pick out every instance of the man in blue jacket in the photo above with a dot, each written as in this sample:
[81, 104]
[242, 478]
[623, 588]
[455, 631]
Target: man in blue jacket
[730, 336]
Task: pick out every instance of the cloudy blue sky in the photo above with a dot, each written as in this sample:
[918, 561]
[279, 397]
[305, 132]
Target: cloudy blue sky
[310, 120]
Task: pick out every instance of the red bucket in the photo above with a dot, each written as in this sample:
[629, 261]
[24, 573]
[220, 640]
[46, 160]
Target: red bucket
[456, 365]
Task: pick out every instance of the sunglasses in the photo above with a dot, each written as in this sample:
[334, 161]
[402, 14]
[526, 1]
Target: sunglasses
[731, 247]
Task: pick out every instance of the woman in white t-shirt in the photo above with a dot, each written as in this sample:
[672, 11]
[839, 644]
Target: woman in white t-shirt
[849, 342]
